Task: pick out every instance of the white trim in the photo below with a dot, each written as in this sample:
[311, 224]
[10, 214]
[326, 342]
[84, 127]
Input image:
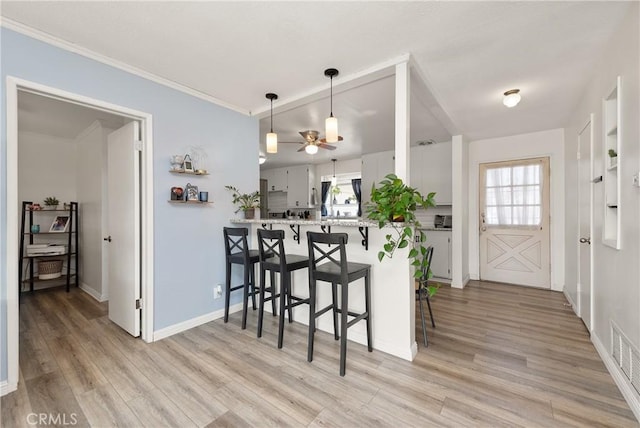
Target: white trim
[571, 302]
[70, 47]
[93, 293]
[193, 322]
[625, 387]
[14, 84]
[6, 387]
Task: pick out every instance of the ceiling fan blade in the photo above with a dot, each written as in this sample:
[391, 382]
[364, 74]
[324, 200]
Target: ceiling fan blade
[327, 146]
[301, 149]
[324, 140]
[291, 142]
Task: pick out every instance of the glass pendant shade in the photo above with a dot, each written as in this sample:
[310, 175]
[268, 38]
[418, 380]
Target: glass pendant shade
[312, 149]
[272, 142]
[511, 98]
[331, 129]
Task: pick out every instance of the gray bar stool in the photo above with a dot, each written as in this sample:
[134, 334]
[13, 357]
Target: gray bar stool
[237, 252]
[271, 243]
[329, 264]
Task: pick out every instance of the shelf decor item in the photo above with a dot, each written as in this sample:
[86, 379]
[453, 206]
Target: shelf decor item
[394, 202]
[49, 269]
[187, 165]
[246, 202]
[192, 192]
[60, 224]
[176, 163]
[51, 203]
[177, 194]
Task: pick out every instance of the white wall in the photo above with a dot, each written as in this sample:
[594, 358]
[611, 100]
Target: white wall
[460, 211]
[537, 144]
[616, 273]
[46, 167]
[91, 171]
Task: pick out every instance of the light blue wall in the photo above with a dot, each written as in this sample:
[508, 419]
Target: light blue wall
[189, 252]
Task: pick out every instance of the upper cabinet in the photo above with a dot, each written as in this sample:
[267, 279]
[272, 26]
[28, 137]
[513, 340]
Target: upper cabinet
[431, 171]
[374, 168]
[300, 180]
[276, 179]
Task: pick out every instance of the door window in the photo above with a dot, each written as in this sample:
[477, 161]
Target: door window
[513, 195]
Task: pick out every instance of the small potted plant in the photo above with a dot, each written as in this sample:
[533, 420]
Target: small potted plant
[395, 202]
[246, 202]
[613, 157]
[335, 191]
[51, 203]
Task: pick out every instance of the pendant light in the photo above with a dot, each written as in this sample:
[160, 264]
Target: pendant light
[272, 137]
[334, 180]
[331, 124]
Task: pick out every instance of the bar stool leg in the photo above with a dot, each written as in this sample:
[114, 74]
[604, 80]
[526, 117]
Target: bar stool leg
[312, 318]
[272, 281]
[245, 297]
[344, 309]
[367, 302]
[261, 300]
[290, 309]
[252, 282]
[334, 296]
[433, 323]
[285, 280]
[424, 325]
[227, 293]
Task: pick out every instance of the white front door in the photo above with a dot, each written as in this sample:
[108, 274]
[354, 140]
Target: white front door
[123, 230]
[585, 209]
[514, 222]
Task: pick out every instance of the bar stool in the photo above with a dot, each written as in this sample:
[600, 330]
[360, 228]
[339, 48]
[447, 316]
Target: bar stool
[271, 242]
[237, 252]
[336, 270]
[423, 290]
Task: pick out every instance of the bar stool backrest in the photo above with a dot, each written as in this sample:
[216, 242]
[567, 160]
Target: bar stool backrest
[328, 247]
[235, 243]
[271, 244]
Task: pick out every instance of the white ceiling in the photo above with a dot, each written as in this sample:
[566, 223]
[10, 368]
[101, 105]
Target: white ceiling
[468, 52]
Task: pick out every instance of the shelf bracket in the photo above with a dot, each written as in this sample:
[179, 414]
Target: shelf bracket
[364, 231]
[264, 226]
[295, 228]
[598, 179]
[325, 229]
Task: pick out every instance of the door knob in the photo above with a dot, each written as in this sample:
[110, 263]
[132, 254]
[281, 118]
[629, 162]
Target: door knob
[108, 238]
[484, 229]
[585, 241]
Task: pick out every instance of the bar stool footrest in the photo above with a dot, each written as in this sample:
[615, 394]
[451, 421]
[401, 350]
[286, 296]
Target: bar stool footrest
[357, 318]
[323, 310]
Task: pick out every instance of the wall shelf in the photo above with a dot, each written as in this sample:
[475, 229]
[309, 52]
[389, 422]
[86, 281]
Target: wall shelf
[187, 173]
[189, 202]
[611, 114]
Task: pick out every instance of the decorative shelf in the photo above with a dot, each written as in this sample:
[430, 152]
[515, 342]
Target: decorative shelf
[187, 173]
[61, 278]
[612, 206]
[613, 131]
[189, 202]
[49, 233]
[39, 256]
[612, 167]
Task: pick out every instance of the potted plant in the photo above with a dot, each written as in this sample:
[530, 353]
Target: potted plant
[613, 157]
[335, 191]
[395, 202]
[246, 202]
[51, 203]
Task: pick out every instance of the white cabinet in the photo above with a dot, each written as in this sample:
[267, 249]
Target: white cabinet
[300, 181]
[440, 240]
[431, 171]
[276, 179]
[374, 167]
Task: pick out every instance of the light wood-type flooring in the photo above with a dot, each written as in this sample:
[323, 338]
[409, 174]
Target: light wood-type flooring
[500, 356]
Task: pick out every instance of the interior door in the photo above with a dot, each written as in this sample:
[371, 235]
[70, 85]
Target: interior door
[585, 213]
[123, 230]
[514, 222]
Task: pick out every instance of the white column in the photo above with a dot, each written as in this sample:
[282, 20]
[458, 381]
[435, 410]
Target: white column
[460, 211]
[402, 122]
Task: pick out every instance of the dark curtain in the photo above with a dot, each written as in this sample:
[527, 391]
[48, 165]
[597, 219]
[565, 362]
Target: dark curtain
[356, 183]
[325, 192]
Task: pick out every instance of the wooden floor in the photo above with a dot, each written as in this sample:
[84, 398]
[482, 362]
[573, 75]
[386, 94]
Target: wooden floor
[500, 356]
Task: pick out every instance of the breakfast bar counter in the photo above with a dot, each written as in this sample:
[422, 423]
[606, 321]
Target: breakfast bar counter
[392, 288]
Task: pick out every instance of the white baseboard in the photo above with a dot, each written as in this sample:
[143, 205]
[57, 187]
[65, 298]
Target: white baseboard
[193, 322]
[6, 387]
[93, 293]
[625, 387]
[571, 302]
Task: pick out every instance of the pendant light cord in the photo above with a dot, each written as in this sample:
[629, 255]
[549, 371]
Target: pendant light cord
[332, 100]
[272, 116]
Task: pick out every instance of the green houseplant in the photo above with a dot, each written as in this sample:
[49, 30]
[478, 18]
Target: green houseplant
[51, 202]
[246, 202]
[395, 202]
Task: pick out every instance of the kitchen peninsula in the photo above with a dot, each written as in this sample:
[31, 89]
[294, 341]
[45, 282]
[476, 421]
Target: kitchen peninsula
[392, 288]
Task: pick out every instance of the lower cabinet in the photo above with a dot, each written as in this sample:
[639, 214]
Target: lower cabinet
[440, 240]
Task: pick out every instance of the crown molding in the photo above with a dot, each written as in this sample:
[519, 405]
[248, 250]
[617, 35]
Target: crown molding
[71, 47]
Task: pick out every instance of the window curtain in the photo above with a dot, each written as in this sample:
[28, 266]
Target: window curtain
[356, 183]
[513, 195]
[325, 192]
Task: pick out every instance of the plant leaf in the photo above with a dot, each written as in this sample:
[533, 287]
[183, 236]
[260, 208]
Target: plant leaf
[380, 255]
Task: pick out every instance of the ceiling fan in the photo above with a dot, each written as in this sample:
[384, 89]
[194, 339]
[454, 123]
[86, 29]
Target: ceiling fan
[312, 142]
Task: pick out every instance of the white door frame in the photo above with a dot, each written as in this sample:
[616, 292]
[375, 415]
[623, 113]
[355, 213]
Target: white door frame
[13, 85]
[589, 122]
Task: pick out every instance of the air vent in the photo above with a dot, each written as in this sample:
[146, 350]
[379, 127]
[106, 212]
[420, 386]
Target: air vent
[626, 356]
[425, 142]
[615, 346]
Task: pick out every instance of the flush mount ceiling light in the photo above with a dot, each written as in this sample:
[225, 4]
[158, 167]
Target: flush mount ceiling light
[334, 180]
[272, 137]
[262, 159]
[331, 124]
[312, 149]
[511, 98]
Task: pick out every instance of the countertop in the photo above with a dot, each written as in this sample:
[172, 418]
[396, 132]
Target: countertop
[354, 222]
[437, 229]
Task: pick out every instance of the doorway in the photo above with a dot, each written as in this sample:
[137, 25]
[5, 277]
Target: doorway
[145, 179]
[514, 222]
[585, 222]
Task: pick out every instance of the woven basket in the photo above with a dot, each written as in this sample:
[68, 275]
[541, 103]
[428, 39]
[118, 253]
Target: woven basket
[49, 269]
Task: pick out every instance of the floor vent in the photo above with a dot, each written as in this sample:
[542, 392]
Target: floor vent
[626, 356]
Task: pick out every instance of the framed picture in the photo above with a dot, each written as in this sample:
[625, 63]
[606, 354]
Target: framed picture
[188, 164]
[192, 192]
[60, 224]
